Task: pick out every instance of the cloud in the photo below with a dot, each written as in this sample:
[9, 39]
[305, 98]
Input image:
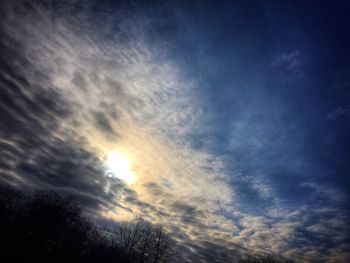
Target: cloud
[78, 83]
[325, 192]
[290, 61]
[339, 112]
[69, 97]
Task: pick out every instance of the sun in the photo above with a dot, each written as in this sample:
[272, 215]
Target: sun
[120, 167]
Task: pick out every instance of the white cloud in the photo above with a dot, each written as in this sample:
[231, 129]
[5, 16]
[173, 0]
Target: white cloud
[130, 95]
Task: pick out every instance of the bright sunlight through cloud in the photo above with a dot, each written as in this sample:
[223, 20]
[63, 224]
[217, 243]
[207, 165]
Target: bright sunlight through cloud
[120, 166]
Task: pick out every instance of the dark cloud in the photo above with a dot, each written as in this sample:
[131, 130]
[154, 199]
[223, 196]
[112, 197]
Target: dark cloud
[36, 151]
[154, 188]
[79, 81]
[104, 124]
[30, 109]
[207, 251]
[188, 213]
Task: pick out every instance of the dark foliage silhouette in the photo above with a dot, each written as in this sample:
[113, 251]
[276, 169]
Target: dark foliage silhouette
[46, 227]
[261, 259]
[144, 242]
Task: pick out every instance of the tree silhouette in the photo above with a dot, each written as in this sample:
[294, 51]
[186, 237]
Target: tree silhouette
[47, 227]
[55, 225]
[145, 242]
[261, 259]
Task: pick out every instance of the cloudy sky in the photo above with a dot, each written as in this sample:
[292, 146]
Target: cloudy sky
[226, 121]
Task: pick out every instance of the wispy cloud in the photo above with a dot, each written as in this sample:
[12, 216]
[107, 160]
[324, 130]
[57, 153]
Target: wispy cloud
[339, 112]
[83, 96]
[72, 93]
[290, 61]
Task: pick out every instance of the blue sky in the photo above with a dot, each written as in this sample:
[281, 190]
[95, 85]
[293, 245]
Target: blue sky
[233, 115]
[273, 80]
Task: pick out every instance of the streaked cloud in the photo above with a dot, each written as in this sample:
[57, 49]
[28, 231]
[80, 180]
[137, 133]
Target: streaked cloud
[75, 90]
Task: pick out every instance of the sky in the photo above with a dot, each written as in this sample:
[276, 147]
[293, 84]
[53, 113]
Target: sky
[226, 121]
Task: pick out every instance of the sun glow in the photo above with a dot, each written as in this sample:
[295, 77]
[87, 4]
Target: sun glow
[120, 167]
